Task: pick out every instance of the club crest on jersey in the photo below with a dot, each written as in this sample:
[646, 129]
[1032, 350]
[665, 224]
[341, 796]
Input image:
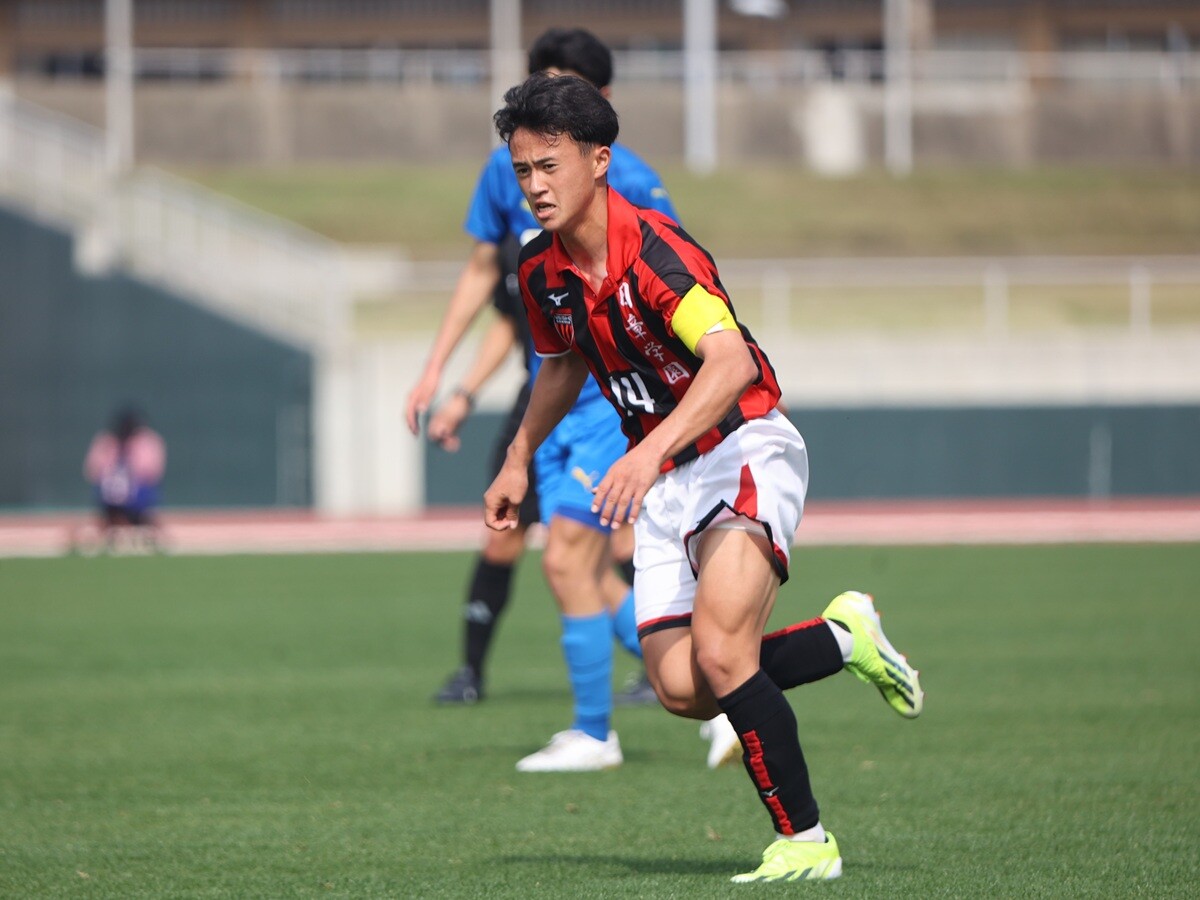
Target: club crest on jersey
[564, 325]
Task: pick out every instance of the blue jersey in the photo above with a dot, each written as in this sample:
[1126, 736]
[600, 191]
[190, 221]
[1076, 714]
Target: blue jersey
[499, 209]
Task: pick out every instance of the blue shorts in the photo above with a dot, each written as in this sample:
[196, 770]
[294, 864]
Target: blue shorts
[573, 459]
[134, 509]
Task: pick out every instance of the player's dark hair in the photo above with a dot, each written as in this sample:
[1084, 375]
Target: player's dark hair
[573, 50]
[553, 105]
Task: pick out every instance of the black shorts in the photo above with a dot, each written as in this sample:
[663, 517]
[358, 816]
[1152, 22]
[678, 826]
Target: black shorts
[528, 513]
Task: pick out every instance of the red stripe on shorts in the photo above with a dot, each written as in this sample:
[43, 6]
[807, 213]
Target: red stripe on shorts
[747, 498]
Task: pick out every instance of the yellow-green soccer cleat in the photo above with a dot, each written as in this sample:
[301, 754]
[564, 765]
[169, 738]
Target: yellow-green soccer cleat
[874, 660]
[788, 860]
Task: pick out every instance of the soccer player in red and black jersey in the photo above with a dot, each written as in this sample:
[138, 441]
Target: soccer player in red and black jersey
[715, 476]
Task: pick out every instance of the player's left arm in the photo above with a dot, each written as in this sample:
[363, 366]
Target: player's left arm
[704, 323]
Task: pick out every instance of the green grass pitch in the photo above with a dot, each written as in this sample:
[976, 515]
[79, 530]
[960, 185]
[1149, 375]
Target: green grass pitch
[261, 727]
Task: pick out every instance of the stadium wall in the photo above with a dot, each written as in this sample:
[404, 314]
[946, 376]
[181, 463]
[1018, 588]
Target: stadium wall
[233, 405]
[936, 452]
[1008, 124]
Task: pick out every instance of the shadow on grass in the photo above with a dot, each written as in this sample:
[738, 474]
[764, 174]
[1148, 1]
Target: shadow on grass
[505, 697]
[520, 695]
[634, 865]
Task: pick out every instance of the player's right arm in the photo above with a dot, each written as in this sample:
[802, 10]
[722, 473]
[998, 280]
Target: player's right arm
[555, 390]
[472, 292]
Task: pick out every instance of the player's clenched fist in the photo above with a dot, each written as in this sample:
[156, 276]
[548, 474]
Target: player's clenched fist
[502, 501]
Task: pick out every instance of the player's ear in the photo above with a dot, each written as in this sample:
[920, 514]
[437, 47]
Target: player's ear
[601, 159]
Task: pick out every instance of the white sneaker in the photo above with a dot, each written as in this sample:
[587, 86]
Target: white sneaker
[724, 745]
[574, 751]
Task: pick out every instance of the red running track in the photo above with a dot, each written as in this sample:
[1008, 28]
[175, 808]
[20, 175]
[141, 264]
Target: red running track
[1174, 520]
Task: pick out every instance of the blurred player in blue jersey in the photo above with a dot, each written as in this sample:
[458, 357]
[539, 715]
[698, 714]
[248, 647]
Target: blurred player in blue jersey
[595, 605]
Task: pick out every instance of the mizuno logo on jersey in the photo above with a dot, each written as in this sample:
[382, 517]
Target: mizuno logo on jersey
[557, 299]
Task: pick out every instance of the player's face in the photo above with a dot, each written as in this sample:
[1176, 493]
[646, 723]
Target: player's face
[560, 178]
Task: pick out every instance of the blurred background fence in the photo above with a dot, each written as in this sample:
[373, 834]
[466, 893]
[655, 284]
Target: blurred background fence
[826, 110]
[965, 293]
[1169, 71]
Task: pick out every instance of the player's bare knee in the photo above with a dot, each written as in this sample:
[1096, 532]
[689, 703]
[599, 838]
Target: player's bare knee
[683, 704]
[719, 664]
[677, 693]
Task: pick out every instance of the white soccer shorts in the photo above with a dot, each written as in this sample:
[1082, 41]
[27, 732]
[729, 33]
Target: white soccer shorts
[755, 479]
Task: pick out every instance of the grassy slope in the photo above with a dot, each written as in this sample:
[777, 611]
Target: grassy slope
[261, 727]
[777, 212]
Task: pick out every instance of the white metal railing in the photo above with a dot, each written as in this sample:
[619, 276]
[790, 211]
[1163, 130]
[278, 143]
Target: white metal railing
[248, 265]
[258, 269]
[50, 164]
[763, 67]
[777, 282]
[989, 278]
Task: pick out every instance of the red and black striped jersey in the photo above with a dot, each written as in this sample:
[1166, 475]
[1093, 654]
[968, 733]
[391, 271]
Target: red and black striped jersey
[624, 331]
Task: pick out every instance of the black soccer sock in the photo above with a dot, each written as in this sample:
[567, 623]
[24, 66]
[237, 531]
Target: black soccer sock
[627, 571]
[766, 725]
[800, 653]
[489, 592]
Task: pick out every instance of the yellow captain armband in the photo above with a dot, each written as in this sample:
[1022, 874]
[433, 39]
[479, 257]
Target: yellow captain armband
[698, 314]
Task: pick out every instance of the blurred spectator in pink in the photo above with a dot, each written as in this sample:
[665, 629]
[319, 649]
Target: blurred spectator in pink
[125, 465]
